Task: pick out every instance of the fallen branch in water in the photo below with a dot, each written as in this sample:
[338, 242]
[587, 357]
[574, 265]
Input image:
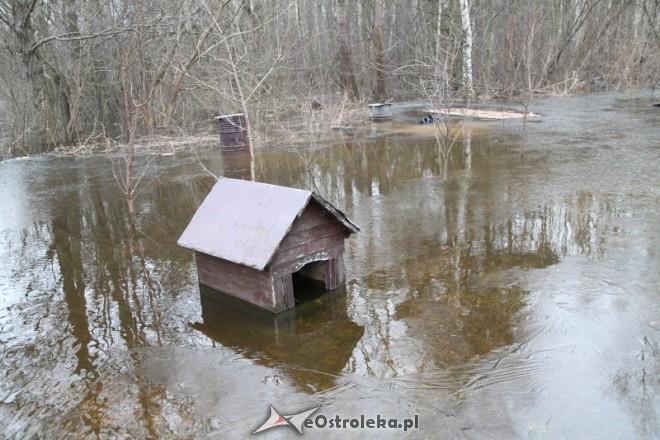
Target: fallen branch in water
[164, 145]
[484, 114]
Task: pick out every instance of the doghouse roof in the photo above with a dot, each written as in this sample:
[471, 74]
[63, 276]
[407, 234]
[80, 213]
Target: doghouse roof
[244, 222]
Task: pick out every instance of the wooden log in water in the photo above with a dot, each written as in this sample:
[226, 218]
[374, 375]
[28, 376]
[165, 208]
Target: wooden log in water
[484, 114]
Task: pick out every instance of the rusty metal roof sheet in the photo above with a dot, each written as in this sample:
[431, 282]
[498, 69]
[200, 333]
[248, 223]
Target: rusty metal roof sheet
[244, 222]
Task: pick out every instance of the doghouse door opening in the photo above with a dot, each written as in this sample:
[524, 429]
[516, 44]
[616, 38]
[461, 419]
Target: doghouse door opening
[309, 281]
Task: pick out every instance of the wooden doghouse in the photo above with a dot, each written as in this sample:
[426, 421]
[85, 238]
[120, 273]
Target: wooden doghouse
[251, 238]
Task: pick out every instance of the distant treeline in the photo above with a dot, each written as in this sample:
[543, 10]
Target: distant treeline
[79, 70]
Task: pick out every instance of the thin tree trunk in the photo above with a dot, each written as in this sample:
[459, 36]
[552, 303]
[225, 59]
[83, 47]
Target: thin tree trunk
[438, 31]
[379, 46]
[467, 48]
[72, 100]
[130, 121]
[346, 75]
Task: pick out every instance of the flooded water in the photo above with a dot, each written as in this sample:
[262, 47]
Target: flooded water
[511, 292]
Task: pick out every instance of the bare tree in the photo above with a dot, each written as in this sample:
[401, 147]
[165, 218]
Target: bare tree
[380, 92]
[467, 48]
[346, 75]
[62, 77]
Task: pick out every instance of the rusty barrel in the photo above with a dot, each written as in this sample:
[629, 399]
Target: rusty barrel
[233, 132]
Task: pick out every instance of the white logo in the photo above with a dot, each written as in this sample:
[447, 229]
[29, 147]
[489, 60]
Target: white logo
[294, 420]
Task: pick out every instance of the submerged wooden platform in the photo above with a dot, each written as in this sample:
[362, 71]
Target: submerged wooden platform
[495, 115]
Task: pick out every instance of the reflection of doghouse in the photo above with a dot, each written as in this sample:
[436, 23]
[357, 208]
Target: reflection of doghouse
[297, 339]
[251, 238]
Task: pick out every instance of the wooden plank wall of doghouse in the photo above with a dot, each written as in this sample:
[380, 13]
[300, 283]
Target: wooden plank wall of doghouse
[246, 283]
[283, 291]
[315, 235]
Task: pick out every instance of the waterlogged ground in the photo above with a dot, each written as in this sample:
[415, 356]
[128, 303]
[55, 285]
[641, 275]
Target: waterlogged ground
[513, 293]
